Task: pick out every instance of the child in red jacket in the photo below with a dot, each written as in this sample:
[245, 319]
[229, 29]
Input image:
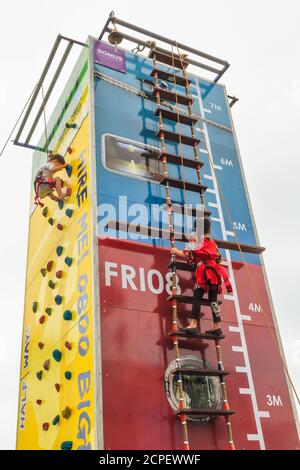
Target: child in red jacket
[209, 276]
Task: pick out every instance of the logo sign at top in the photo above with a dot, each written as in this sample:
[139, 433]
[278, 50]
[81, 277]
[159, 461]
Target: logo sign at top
[109, 56]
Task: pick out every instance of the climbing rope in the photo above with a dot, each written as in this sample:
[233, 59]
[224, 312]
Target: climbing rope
[45, 119]
[256, 294]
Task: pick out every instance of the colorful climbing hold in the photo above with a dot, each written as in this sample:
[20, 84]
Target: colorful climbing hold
[56, 355]
[69, 212]
[51, 221]
[51, 284]
[59, 274]
[42, 319]
[48, 310]
[35, 307]
[68, 375]
[38, 402]
[43, 272]
[46, 364]
[66, 413]
[45, 426]
[39, 375]
[55, 420]
[59, 250]
[60, 204]
[69, 150]
[68, 260]
[69, 170]
[67, 315]
[68, 345]
[41, 345]
[49, 266]
[60, 227]
[66, 445]
[57, 387]
[71, 126]
[58, 299]
[45, 211]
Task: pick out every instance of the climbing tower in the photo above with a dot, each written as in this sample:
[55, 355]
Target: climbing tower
[150, 147]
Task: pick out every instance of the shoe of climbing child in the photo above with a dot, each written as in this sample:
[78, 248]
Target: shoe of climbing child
[190, 331]
[216, 332]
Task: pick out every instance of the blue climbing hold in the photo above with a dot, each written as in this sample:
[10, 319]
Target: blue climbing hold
[60, 204]
[69, 212]
[69, 170]
[68, 260]
[57, 355]
[68, 375]
[66, 445]
[67, 315]
[55, 420]
[58, 299]
[59, 250]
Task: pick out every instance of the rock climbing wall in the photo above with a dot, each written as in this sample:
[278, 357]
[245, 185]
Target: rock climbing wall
[56, 401]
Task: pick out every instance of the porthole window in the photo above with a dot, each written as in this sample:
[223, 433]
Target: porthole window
[200, 392]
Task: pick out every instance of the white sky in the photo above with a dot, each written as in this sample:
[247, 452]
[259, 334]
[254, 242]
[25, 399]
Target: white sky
[261, 41]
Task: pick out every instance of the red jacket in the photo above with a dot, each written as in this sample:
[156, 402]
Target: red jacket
[208, 271]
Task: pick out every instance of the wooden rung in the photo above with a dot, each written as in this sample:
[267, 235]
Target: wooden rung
[202, 372]
[188, 299]
[171, 96]
[181, 334]
[175, 183]
[169, 77]
[168, 59]
[204, 412]
[176, 137]
[177, 117]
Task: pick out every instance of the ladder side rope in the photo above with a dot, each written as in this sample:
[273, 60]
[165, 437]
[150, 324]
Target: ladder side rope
[17, 122]
[250, 276]
[183, 419]
[217, 343]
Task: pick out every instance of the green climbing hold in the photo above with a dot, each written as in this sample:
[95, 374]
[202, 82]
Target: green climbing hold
[59, 250]
[51, 284]
[69, 170]
[35, 307]
[55, 420]
[60, 204]
[43, 272]
[58, 299]
[66, 445]
[66, 413]
[48, 310]
[57, 355]
[39, 375]
[68, 375]
[67, 315]
[51, 221]
[45, 211]
[69, 212]
[68, 260]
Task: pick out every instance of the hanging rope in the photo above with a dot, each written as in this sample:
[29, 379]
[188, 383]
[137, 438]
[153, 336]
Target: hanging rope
[256, 294]
[17, 122]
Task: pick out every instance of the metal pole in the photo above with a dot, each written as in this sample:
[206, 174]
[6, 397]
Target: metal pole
[74, 41]
[50, 89]
[28, 146]
[39, 84]
[111, 16]
[169, 41]
[164, 51]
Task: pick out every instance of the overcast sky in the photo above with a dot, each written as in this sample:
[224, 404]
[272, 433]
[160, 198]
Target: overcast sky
[261, 41]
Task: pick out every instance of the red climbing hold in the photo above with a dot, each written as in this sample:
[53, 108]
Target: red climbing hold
[43, 272]
[60, 227]
[42, 319]
[59, 274]
[68, 345]
[69, 150]
[57, 387]
[46, 364]
[41, 345]
[49, 266]
[45, 426]
[38, 402]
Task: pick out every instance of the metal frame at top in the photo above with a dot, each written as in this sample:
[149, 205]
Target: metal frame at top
[213, 65]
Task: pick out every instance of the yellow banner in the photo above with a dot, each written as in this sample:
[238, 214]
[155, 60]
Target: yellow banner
[56, 401]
